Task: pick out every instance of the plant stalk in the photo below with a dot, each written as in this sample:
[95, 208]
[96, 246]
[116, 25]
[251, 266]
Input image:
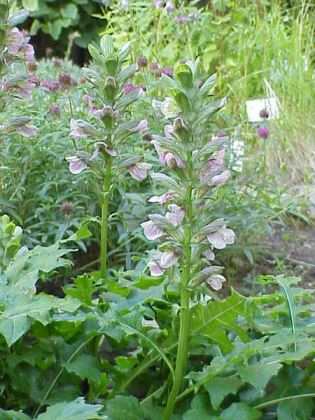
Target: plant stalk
[104, 222]
[182, 349]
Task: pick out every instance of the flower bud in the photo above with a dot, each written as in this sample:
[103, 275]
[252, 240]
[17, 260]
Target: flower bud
[142, 61]
[180, 129]
[110, 89]
[67, 208]
[108, 117]
[54, 109]
[111, 65]
[263, 132]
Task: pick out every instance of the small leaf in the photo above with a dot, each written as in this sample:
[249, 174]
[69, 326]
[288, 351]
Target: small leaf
[240, 411]
[86, 367]
[219, 388]
[30, 4]
[124, 408]
[73, 410]
[258, 374]
[107, 45]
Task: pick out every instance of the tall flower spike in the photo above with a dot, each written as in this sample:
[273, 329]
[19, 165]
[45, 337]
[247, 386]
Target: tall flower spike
[109, 92]
[195, 166]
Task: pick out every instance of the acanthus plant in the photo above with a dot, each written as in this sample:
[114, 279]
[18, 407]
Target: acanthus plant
[109, 94]
[16, 59]
[188, 234]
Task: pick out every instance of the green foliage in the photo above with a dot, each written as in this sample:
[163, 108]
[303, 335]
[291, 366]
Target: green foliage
[62, 19]
[74, 347]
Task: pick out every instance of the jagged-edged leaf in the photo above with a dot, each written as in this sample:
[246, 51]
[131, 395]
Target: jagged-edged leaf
[73, 410]
[200, 408]
[86, 367]
[83, 289]
[219, 388]
[258, 374]
[295, 409]
[217, 318]
[19, 310]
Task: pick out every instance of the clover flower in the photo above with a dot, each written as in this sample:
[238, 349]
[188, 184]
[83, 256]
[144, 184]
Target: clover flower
[67, 208]
[65, 80]
[263, 132]
[142, 62]
[54, 109]
[169, 7]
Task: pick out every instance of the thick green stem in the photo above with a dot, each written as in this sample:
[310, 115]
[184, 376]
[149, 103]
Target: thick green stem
[104, 222]
[182, 350]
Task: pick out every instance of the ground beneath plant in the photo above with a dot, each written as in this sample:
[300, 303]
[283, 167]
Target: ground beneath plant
[289, 250]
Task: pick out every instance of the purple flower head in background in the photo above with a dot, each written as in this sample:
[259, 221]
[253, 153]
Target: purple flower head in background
[129, 87]
[67, 208]
[54, 109]
[158, 4]
[167, 157]
[142, 62]
[15, 41]
[167, 71]
[263, 132]
[169, 7]
[57, 62]
[65, 80]
[50, 85]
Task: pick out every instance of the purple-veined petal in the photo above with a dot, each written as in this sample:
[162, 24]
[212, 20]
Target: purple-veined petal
[167, 259]
[76, 165]
[220, 179]
[151, 231]
[215, 281]
[27, 130]
[175, 215]
[161, 199]
[216, 240]
[142, 126]
[229, 235]
[139, 170]
[155, 269]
